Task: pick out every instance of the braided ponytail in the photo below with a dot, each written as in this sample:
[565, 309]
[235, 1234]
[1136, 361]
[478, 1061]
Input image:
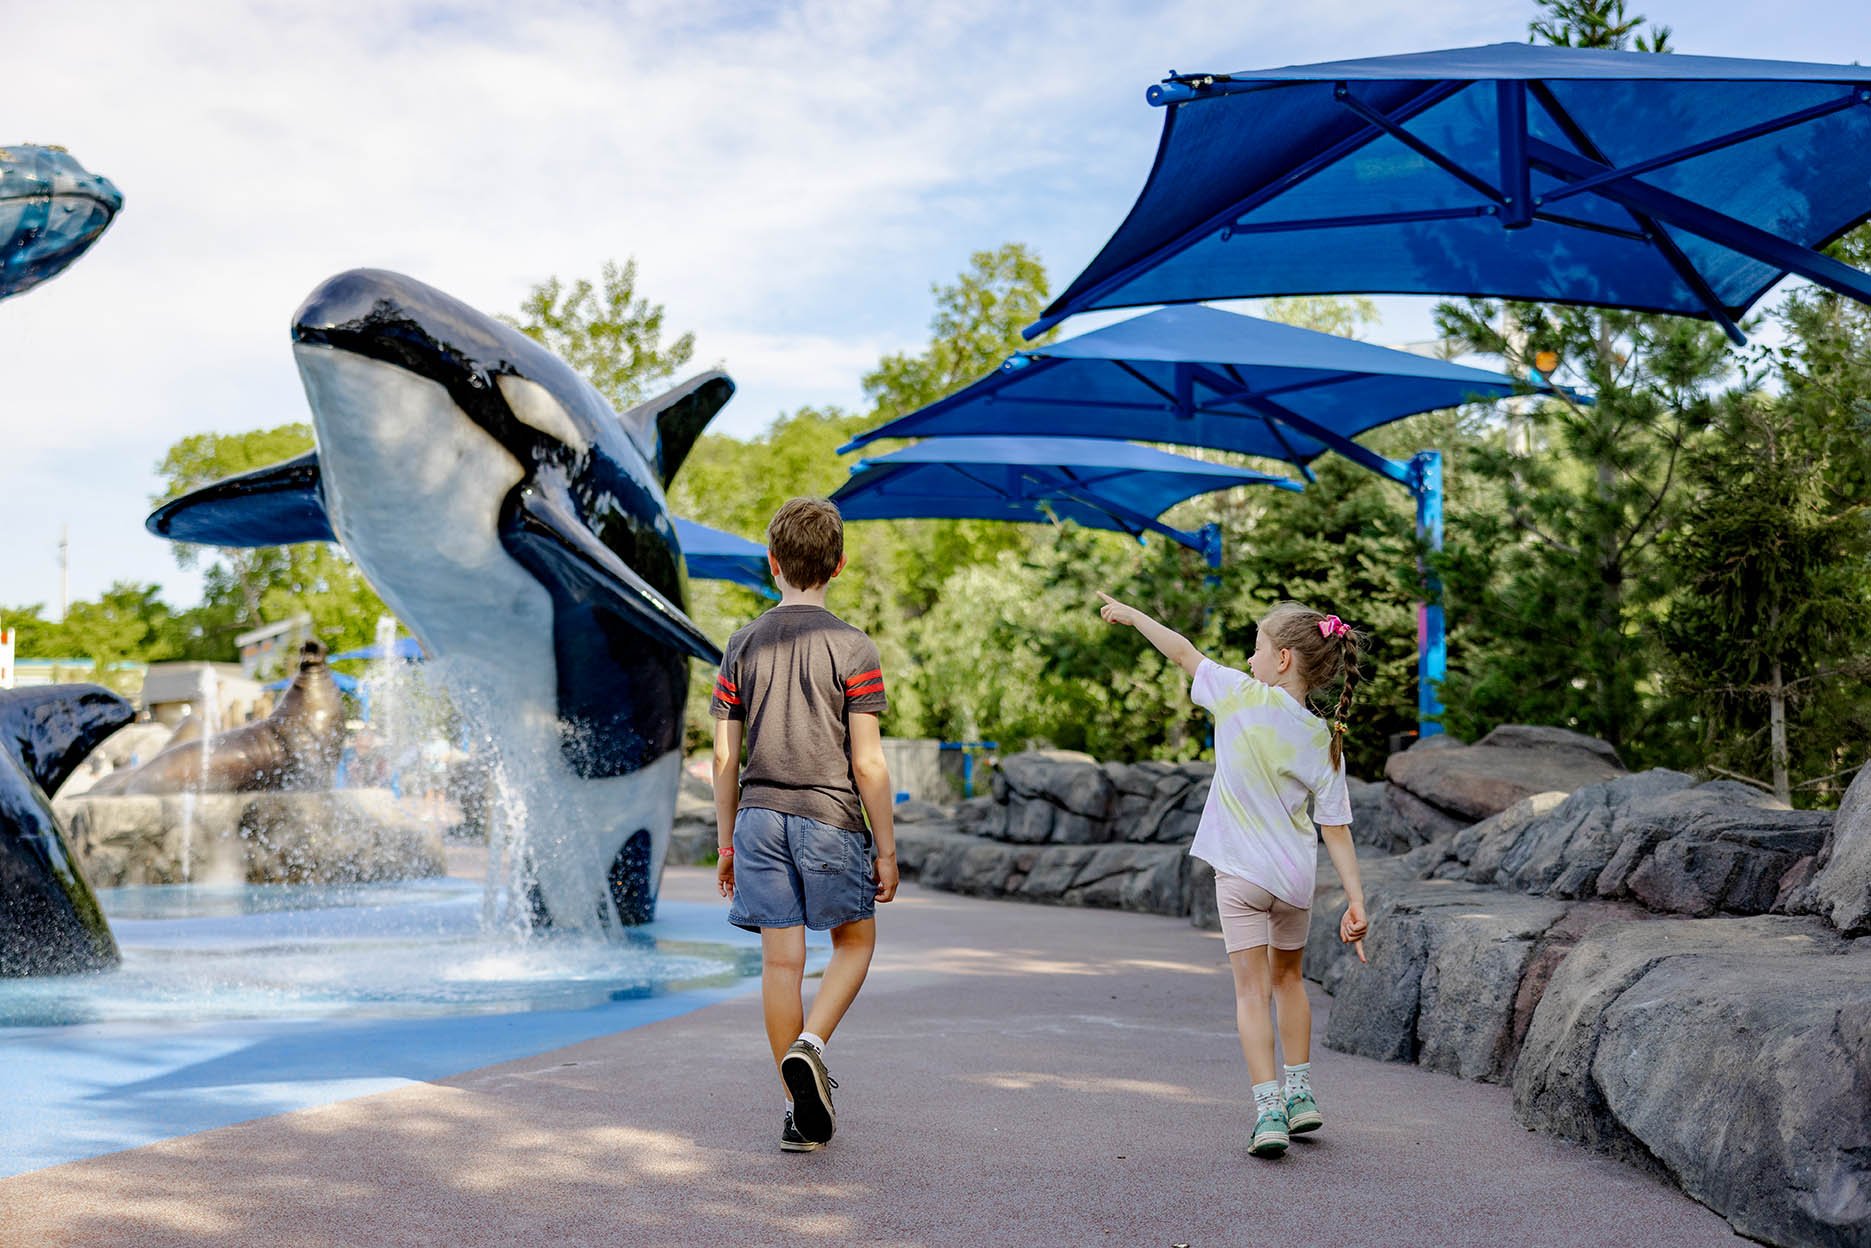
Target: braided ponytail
[1327, 650]
[1349, 676]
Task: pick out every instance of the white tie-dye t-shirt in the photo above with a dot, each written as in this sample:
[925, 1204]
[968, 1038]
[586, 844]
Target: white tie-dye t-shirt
[1271, 755]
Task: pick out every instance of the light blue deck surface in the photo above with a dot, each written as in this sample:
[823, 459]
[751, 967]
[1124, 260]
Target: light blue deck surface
[166, 1060]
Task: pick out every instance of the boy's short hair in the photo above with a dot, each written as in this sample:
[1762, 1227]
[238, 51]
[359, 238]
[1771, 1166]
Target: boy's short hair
[807, 538]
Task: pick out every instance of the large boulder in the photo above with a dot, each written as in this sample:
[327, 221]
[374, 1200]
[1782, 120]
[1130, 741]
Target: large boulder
[341, 836]
[1468, 783]
[1840, 890]
[1733, 1055]
[1446, 962]
[1657, 838]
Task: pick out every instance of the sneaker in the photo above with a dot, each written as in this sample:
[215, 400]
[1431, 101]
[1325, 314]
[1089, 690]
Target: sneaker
[1302, 1113]
[811, 1085]
[793, 1142]
[1270, 1134]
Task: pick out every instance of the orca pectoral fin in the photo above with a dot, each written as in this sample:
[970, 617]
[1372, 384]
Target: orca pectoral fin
[276, 506]
[672, 422]
[544, 531]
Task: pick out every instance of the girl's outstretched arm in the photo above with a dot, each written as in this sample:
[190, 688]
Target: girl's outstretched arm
[1175, 647]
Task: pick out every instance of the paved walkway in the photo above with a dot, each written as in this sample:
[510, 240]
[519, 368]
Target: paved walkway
[1011, 1075]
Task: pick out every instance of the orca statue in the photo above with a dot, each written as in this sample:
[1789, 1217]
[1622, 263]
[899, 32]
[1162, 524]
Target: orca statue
[51, 211]
[517, 525]
[50, 923]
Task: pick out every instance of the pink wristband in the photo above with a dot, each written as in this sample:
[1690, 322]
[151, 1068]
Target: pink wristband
[725, 853]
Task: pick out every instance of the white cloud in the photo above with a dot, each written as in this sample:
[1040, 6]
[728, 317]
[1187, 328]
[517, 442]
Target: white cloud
[791, 177]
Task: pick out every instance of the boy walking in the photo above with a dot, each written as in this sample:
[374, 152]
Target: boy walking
[804, 689]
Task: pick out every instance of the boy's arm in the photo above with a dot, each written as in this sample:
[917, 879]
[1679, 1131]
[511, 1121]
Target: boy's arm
[1175, 647]
[727, 782]
[873, 776]
[1354, 925]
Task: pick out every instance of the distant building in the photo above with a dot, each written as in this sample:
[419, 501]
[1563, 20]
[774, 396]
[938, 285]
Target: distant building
[272, 650]
[174, 691]
[122, 677]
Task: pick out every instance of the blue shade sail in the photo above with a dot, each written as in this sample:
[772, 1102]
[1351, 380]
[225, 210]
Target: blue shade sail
[1196, 376]
[712, 555]
[408, 649]
[1098, 484]
[51, 211]
[1680, 184]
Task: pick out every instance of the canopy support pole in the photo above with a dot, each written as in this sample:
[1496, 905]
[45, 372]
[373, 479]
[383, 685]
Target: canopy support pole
[1432, 651]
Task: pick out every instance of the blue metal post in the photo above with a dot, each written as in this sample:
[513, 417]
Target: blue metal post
[1432, 653]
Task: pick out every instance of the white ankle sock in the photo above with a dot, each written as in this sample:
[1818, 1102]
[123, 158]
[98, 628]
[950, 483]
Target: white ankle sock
[1298, 1079]
[814, 1041]
[1267, 1096]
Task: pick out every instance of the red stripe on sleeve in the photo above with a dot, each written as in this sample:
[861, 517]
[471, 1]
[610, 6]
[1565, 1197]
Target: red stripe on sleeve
[876, 673]
[876, 686]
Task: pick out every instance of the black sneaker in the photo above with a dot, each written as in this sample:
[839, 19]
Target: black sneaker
[811, 1085]
[793, 1142]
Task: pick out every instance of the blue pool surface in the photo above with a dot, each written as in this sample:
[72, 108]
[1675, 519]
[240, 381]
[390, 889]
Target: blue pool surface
[237, 1002]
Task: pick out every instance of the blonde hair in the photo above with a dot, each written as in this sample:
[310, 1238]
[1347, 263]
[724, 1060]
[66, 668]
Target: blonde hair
[1321, 656]
[807, 538]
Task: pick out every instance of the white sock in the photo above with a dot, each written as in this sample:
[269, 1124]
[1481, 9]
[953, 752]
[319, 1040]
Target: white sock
[814, 1041]
[1267, 1096]
[789, 1104]
[1298, 1079]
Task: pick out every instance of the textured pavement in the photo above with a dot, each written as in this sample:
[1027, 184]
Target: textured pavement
[1011, 1074]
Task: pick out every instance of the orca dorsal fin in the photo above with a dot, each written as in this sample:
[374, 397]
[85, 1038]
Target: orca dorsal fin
[672, 421]
[273, 506]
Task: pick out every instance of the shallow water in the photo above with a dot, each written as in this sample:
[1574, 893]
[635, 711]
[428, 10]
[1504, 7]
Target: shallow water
[201, 953]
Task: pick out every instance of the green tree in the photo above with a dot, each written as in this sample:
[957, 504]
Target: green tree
[246, 587]
[1771, 634]
[1773, 605]
[1560, 583]
[608, 332]
[128, 622]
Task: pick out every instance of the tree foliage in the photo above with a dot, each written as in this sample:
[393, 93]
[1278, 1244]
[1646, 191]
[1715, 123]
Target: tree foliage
[245, 587]
[607, 331]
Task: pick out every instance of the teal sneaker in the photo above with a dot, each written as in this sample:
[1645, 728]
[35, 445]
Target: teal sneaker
[1270, 1134]
[1302, 1114]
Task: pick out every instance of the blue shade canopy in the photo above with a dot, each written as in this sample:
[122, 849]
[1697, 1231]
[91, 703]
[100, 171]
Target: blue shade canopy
[1098, 484]
[407, 649]
[1197, 376]
[712, 555]
[51, 210]
[1681, 184]
[345, 684]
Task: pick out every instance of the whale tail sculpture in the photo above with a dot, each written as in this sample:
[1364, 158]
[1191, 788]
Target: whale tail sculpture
[517, 524]
[51, 211]
[294, 748]
[50, 923]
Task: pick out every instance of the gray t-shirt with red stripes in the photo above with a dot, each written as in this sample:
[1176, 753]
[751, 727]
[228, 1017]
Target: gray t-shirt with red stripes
[794, 675]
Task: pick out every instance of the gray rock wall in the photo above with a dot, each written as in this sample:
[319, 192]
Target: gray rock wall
[1657, 838]
[345, 836]
[1731, 1055]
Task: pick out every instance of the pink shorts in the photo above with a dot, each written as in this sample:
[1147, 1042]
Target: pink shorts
[1252, 916]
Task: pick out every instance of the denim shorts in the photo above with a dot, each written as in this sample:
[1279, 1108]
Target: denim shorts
[789, 870]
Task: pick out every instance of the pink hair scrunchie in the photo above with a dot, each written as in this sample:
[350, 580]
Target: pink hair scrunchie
[1332, 626]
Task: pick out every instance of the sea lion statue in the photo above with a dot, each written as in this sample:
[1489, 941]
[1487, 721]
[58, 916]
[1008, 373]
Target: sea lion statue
[294, 748]
[50, 923]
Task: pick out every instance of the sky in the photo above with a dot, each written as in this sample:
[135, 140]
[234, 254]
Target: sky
[792, 179]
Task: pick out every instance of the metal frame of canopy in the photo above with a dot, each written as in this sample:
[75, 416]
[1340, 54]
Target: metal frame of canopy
[1056, 482]
[1519, 79]
[1240, 396]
